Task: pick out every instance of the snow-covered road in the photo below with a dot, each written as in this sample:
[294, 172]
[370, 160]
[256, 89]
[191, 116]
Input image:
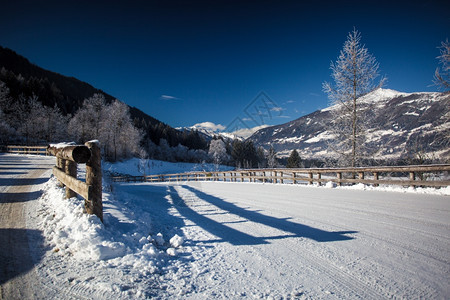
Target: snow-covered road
[208, 240]
[284, 241]
[20, 180]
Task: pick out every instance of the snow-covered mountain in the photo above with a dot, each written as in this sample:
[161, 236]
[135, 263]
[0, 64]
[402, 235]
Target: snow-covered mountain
[405, 123]
[209, 130]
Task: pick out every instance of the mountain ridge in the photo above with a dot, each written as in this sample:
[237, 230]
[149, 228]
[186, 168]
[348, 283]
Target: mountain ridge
[405, 124]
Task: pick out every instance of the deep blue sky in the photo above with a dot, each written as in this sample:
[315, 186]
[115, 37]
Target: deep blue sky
[188, 62]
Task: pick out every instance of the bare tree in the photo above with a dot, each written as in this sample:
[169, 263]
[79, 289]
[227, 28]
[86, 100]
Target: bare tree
[354, 74]
[118, 134]
[442, 76]
[271, 158]
[86, 124]
[218, 151]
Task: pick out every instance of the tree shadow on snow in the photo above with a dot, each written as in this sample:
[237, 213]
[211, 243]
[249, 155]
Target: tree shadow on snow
[236, 237]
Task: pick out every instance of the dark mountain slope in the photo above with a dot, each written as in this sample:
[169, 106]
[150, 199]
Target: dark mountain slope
[68, 93]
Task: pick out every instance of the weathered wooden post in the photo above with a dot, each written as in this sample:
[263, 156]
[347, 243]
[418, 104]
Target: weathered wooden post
[375, 177]
[412, 177]
[281, 177]
[319, 177]
[71, 170]
[361, 175]
[294, 175]
[60, 163]
[339, 178]
[94, 205]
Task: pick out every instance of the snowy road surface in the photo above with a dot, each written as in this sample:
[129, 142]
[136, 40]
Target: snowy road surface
[290, 241]
[208, 240]
[20, 180]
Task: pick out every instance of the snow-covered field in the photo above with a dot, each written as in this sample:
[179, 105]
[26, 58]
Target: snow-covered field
[205, 240]
[155, 167]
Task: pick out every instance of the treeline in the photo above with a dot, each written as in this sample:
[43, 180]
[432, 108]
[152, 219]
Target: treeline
[26, 120]
[38, 107]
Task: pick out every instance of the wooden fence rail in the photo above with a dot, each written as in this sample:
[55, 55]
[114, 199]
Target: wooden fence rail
[40, 150]
[415, 176]
[65, 171]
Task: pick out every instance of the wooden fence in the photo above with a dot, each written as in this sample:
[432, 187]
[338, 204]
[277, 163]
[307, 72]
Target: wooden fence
[40, 150]
[421, 175]
[65, 171]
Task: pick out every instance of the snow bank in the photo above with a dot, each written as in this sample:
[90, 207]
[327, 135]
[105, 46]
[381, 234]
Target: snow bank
[73, 232]
[444, 191]
[154, 167]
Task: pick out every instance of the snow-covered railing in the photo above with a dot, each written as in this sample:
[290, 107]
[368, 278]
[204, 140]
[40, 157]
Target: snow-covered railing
[418, 175]
[40, 150]
[67, 158]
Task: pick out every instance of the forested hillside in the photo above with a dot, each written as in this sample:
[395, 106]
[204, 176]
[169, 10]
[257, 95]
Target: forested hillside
[23, 80]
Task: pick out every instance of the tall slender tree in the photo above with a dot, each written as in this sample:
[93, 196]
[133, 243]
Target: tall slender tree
[442, 75]
[354, 74]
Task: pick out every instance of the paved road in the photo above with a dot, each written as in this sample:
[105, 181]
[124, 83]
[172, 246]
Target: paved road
[20, 247]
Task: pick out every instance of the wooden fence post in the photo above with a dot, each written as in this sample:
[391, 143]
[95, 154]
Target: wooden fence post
[339, 177]
[412, 177]
[71, 170]
[375, 177]
[60, 163]
[94, 205]
[361, 175]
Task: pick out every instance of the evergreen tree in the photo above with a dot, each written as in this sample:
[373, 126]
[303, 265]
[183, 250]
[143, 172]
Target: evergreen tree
[294, 160]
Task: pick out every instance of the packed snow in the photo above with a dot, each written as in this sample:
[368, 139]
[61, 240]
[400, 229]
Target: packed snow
[204, 240]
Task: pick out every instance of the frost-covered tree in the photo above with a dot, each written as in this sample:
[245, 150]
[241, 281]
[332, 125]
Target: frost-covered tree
[442, 76]
[218, 152]
[354, 75]
[54, 124]
[271, 158]
[6, 131]
[110, 124]
[30, 118]
[5, 99]
[87, 122]
[144, 162]
[117, 133]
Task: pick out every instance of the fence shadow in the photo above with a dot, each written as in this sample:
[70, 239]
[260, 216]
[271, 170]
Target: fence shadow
[283, 224]
[155, 207]
[21, 181]
[19, 197]
[225, 233]
[15, 252]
